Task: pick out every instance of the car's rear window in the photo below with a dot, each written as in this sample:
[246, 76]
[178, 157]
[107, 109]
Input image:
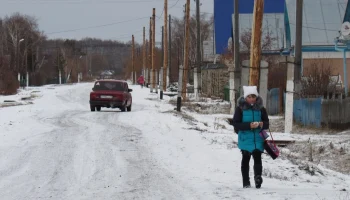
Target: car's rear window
[105, 85]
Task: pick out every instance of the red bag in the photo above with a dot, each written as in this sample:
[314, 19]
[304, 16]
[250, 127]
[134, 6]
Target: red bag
[271, 148]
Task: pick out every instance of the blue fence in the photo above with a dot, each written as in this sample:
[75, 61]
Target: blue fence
[308, 112]
[316, 112]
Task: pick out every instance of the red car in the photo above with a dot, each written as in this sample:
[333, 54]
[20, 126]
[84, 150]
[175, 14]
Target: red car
[111, 94]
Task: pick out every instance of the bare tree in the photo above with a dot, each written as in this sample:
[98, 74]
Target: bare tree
[178, 28]
[8, 82]
[27, 49]
[19, 41]
[277, 71]
[1, 38]
[22, 37]
[316, 81]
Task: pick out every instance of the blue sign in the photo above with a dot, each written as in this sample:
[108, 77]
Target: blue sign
[223, 10]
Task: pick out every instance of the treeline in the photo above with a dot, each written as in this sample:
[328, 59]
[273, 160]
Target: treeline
[25, 49]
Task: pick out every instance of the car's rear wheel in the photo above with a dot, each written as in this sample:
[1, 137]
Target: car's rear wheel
[123, 108]
[128, 108]
[92, 108]
[98, 108]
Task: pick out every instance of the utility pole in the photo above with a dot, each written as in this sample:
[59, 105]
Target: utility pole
[90, 60]
[236, 46]
[179, 90]
[18, 66]
[86, 62]
[255, 45]
[162, 45]
[169, 52]
[161, 76]
[90, 64]
[165, 40]
[146, 62]
[183, 40]
[186, 49]
[58, 64]
[133, 59]
[235, 71]
[288, 119]
[153, 49]
[26, 63]
[144, 53]
[293, 85]
[150, 55]
[17, 61]
[197, 69]
[178, 54]
[76, 65]
[298, 46]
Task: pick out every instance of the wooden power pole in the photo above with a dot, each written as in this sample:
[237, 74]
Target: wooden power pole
[150, 54]
[165, 59]
[133, 59]
[197, 69]
[255, 45]
[238, 69]
[298, 46]
[153, 49]
[161, 72]
[186, 49]
[144, 53]
[235, 70]
[169, 52]
[146, 61]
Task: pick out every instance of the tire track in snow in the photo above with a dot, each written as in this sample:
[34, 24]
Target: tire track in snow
[144, 178]
[87, 156]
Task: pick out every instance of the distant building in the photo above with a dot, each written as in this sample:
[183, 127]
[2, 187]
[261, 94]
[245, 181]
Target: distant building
[107, 74]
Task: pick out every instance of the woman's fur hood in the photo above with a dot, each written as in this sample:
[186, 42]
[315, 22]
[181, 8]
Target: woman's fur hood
[241, 102]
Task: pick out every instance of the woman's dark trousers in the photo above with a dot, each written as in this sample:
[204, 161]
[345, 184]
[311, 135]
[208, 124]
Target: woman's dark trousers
[257, 168]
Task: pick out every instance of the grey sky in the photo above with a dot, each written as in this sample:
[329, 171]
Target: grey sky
[64, 15]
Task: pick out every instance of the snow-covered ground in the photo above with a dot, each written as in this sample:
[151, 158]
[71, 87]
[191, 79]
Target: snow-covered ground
[55, 148]
[23, 97]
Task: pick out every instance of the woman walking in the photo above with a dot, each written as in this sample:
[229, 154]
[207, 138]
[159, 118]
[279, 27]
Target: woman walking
[249, 119]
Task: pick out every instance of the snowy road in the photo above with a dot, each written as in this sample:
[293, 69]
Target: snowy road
[84, 155]
[57, 149]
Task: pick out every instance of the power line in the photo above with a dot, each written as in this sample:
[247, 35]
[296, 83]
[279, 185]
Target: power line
[168, 8]
[322, 29]
[195, 10]
[174, 4]
[161, 14]
[98, 26]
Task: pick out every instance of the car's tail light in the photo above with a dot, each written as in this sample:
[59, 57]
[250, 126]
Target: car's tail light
[117, 97]
[120, 96]
[93, 96]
